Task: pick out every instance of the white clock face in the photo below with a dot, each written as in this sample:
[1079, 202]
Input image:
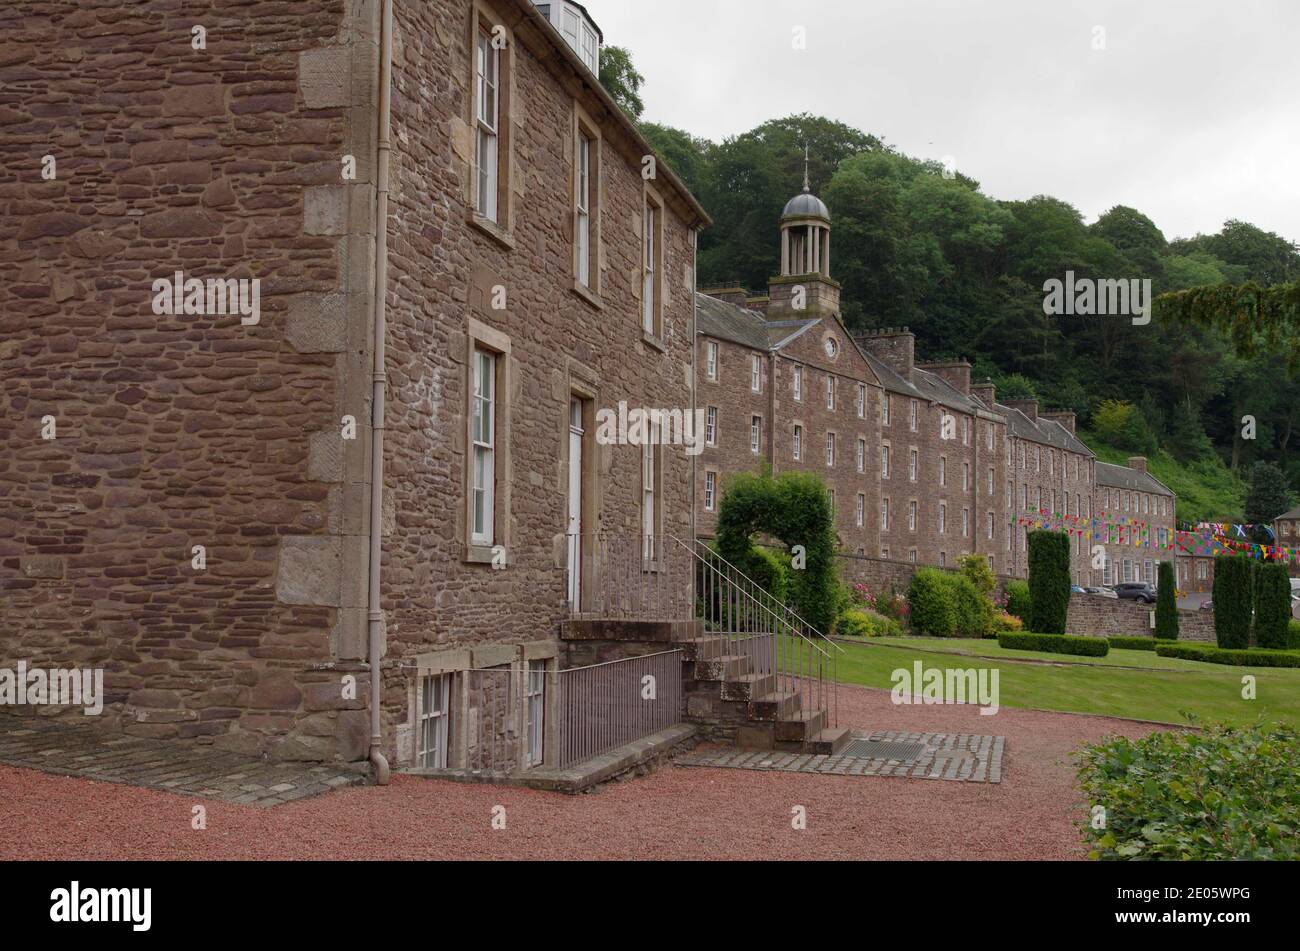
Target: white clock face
[832, 347]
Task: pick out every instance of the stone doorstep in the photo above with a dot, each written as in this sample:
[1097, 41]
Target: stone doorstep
[581, 776]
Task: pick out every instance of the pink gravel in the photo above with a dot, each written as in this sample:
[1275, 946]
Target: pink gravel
[676, 813]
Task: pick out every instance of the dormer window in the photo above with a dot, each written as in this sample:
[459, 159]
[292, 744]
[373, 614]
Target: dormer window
[573, 23]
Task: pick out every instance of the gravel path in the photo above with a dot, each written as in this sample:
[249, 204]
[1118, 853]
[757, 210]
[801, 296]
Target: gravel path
[675, 813]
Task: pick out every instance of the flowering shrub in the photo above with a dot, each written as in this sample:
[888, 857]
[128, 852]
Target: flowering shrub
[1003, 622]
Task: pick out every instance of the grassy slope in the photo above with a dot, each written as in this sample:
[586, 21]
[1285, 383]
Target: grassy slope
[1211, 692]
[1207, 489]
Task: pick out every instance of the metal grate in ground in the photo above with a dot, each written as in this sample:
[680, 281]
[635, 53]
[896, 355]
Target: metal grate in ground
[883, 749]
[958, 757]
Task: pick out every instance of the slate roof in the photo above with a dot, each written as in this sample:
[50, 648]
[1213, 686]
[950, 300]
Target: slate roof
[806, 203]
[1294, 513]
[1122, 477]
[726, 321]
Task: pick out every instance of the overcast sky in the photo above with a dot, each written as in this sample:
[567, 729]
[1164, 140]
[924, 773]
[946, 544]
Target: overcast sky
[1191, 112]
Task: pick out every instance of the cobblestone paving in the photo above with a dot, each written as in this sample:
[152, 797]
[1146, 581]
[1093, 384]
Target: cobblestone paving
[95, 753]
[960, 757]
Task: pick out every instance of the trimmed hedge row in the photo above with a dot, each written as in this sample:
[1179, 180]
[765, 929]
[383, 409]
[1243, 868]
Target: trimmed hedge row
[1166, 602]
[1272, 606]
[1233, 601]
[1055, 644]
[1234, 658]
[1132, 643]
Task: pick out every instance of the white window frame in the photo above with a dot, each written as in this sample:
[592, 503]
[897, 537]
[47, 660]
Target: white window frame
[862, 401]
[830, 392]
[711, 359]
[862, 510]
[487, 115]
[434, 731]
[484, 451]
[649, 265]
[830, 450]
[582, 208]
[913, 417]
[534, 712]
[710, 489]
[798, 442]
[943, 519]
[755, 434]
[798, 383]
[711, 426]
[756, 374]
[862, 455]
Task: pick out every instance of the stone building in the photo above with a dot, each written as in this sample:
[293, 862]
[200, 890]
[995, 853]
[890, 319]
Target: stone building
[190, 498]
[1139, 509]
[937, 468]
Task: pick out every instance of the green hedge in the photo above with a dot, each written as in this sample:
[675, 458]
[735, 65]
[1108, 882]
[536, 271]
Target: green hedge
[1210, 654]
[1293, 635]
[1272, 606]
[1223, 793]
[1018, 601]
[1049, 581]
[1232, 601]
[1056, 644]
[1132, 643]
[1167, 602]
[946, 604]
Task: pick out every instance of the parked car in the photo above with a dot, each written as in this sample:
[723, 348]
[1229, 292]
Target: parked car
[1141, 591]
[1102, 592]
[1077, 589]
[1207, 605]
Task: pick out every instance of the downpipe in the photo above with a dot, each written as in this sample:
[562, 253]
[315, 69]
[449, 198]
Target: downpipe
[379, 379]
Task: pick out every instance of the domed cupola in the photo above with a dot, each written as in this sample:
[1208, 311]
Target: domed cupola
[805, 233]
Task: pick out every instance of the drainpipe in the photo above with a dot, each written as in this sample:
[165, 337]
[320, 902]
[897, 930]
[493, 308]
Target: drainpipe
[375, 616]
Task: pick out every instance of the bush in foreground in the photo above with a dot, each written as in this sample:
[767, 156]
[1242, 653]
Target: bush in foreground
[1178, 795]
[1120, 643]
[863, 622]
[1055, 644]
[1293, 635]
[1247, 657]
[946, 604]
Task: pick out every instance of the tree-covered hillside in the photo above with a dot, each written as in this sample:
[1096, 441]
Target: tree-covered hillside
[919, 245]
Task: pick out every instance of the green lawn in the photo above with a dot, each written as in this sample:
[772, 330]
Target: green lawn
[1097, 685]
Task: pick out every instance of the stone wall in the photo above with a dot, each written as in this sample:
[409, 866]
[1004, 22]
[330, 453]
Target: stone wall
[1093, 616]
[175, 431]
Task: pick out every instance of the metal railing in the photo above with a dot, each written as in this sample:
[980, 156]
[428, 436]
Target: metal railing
[638, 577]
[746, 619]
[602, 707]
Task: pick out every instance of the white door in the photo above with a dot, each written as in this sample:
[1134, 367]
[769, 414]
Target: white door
[575, 502]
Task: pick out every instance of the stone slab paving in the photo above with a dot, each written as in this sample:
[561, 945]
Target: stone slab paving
[957, 757]
[93, 752]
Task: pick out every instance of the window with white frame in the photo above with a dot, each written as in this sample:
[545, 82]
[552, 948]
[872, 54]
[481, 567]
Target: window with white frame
[798, 383]
[965, 430]
[862, 401]
[711, 359]
[535, 712]
[650, 493]
[755, 432]
[652, 266]
[990, 489]
[913, 416]
[435, 720]
[710, 490]
[830, 449]
[755, 373]
[943, 470]
[988, 435]
[943, 519]
[862, 509]
[830, 392]
[943, 559]
[990, 525]
[911, 555]
[911, 516]
[862, 455]
[965, 523]
[487, 106]
[884, 519]
[913, 463]
[884, 461]
[711, 426]
[798, 442]
[582, 209]
[884, 409]
[965, 476]
[1038, 458]
[483, 429]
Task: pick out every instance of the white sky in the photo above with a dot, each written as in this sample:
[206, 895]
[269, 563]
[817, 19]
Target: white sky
[1191, 113]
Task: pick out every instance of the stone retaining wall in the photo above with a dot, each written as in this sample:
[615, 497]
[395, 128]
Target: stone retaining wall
[1094, 616]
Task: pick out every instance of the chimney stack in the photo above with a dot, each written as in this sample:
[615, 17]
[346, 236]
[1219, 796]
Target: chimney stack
[1028, 407]
[956, 373]
[985, 392]
[1138, 462]
[894, 347]
[731, 293]
[1063, 416]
